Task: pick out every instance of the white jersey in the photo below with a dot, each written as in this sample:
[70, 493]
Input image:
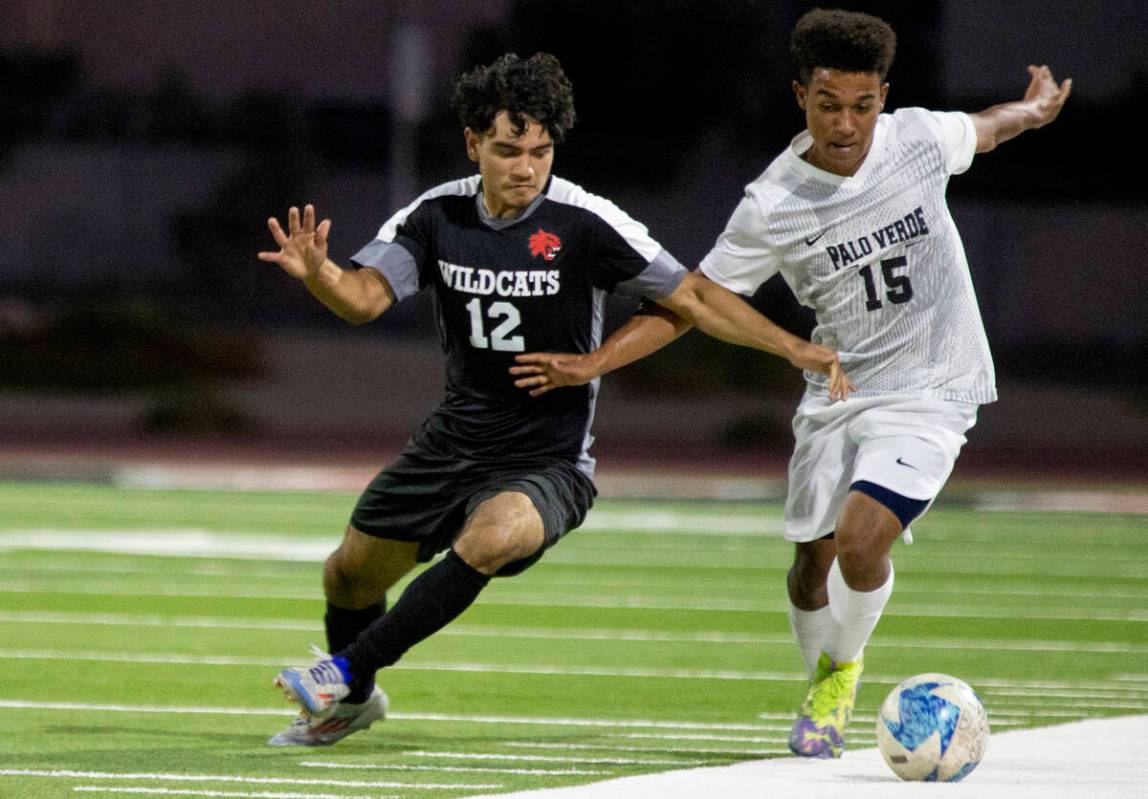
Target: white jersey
[876, 255]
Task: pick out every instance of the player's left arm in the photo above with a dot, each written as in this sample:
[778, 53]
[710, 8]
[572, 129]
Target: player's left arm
[1040, 105]
[699, 302]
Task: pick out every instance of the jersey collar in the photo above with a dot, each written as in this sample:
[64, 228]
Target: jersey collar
[802, 142]
[498, 222]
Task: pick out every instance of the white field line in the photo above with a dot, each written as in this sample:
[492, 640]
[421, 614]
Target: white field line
[574, 634]
[470, 769]
[1054, 689]
[158, 588]
[232, 778]
[648, 583]
[170, 542]
[156, 791]
[590, 761]
[752, 730]
[644, 602]
[1009, 714]
[174, 622]
[198, 543]
[689, 523]
[759, 751]
[619, 603]
[15, 704]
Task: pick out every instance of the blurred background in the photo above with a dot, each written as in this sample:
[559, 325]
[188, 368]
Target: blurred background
[143, 144]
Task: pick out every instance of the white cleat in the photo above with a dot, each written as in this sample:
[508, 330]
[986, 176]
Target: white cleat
[345, 718]
[316, 688]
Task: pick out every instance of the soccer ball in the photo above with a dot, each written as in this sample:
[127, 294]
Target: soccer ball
[932, 728]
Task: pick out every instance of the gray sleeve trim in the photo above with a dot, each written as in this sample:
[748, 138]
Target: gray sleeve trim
[393, 262]
[657, 281]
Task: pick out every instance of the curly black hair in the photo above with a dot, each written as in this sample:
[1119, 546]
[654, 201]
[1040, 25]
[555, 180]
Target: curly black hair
[535, 87]
[848, 41]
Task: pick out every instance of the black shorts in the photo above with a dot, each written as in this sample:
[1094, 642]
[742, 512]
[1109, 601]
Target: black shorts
[425, 497]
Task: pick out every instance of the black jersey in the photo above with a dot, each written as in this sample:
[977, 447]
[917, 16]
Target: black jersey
[534, 283]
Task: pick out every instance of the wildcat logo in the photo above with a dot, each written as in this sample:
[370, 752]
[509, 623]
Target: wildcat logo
[545, 244]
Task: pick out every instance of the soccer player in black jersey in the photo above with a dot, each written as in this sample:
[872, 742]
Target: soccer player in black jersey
[518, 261]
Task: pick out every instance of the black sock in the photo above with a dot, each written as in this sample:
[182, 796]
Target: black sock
[343, 627]
[432, 600]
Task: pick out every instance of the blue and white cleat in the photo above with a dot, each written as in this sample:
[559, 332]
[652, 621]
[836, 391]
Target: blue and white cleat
[346, 718]
[316, 688]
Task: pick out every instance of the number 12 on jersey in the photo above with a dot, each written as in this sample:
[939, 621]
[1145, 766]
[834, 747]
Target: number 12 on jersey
[505, 318]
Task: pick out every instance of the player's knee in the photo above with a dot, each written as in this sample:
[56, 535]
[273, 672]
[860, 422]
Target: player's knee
[488, 548]
[347, 583]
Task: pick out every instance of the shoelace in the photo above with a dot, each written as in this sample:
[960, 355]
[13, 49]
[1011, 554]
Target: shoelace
[324, 672]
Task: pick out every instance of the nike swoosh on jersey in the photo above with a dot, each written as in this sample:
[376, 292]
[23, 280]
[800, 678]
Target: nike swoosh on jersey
[909, 465]
[812, 241]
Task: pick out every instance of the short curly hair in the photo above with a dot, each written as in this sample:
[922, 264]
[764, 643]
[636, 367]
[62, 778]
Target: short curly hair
[848, 41]
[535, 87]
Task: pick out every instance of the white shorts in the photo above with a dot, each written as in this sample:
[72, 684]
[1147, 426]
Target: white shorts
[903, 443]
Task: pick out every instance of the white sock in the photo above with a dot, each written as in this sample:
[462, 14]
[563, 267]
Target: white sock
[855, 614]
[812, 629]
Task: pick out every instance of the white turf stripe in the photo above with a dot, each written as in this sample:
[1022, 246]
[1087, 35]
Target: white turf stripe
[642, 602]
[158, 658]
[16, 704]
[1038, 687]
[616, 603]
[124, 791]
[170, 542]
[568, 722]
[208, 544]
[757, 751]
[1000, 711]
[599, 761]
[50, 575]
[158, 588]
[163, 777]
[486, 769]
[174, 622]
[575, 634]
[689, 523]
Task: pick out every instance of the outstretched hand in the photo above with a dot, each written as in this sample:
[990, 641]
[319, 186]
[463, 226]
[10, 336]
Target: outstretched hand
[303, 248]
[1045, 95]
[818, 358]
[545, 371]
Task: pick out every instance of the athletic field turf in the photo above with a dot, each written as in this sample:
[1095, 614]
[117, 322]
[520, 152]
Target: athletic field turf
[140, 631]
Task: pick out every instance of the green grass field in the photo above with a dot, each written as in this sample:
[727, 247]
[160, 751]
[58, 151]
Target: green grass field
[140, 631]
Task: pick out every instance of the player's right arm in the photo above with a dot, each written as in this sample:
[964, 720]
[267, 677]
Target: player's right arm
[354, 295]
[643, 334]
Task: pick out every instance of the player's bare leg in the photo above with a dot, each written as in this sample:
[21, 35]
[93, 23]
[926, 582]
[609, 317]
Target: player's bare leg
[857, 585]
[503, 529]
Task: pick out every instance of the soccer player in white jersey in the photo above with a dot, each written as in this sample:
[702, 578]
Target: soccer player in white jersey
[853, 216]
[517, 259]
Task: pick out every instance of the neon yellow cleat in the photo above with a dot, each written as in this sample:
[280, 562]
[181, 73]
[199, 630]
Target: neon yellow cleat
[820, 727]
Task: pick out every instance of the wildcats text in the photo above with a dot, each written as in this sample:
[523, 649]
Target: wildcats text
[484, 282]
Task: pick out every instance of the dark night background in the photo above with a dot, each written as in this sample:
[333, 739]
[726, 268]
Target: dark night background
[143, 144]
